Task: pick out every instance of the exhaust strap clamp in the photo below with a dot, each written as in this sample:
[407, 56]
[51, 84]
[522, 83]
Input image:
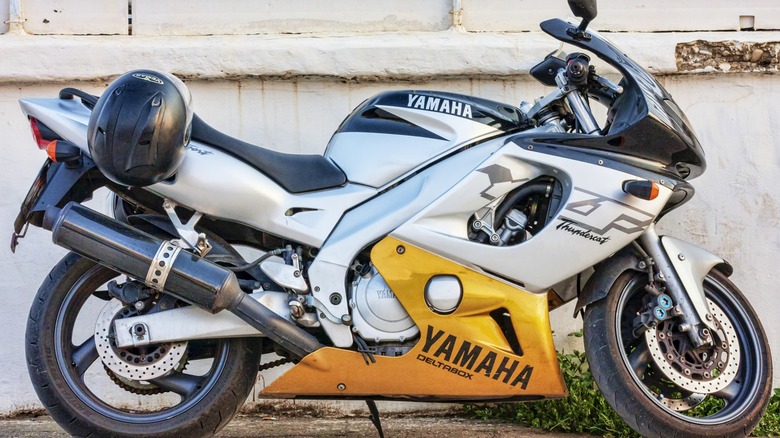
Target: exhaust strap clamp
[162, 264]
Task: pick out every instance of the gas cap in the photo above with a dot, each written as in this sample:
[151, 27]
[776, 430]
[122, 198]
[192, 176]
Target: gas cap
[443, 293]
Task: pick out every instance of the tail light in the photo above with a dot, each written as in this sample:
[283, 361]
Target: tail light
[42, 134]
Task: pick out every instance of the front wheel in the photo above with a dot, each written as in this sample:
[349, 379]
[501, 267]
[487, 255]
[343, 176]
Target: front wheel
[659, 383]
[91, 387]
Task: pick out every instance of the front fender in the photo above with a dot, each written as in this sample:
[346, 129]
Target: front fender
[694, 266]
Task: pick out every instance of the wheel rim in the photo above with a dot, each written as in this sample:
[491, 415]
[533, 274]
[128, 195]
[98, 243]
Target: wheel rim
[716, 408]
[77, 362]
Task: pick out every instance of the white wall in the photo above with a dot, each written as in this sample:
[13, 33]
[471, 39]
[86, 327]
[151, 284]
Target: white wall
[624, 15]
[736, 211]
[290, 92]
[75, 17]
[240, 17]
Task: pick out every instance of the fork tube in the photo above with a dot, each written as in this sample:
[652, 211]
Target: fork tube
[582, 112]
[651, 243]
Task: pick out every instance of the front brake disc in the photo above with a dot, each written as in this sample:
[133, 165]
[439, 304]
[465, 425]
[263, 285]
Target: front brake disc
[703, 370]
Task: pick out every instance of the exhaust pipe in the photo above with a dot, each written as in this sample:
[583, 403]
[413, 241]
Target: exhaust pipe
[162, 266]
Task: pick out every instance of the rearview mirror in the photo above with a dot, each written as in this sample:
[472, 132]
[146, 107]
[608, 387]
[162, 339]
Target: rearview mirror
[585, 9]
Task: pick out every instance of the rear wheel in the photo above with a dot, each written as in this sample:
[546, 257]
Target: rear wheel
[93, 388]
[660, 384]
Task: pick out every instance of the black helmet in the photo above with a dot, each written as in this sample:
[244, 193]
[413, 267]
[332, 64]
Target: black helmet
[139, 128]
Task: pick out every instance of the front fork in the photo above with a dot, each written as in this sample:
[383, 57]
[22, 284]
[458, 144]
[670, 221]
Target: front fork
[683, 266]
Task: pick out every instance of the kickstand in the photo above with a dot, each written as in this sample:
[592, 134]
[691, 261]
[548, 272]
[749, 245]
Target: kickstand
[374, 417]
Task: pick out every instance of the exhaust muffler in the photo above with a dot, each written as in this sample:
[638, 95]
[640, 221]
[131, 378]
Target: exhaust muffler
[163, 266]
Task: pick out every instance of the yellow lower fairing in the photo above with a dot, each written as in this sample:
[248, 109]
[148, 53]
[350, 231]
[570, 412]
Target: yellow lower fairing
[460, 356]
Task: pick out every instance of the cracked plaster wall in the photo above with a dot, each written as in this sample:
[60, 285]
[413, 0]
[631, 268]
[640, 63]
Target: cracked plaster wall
[735, 213]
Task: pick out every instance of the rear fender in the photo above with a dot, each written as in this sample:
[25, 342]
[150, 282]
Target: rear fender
[61, 183]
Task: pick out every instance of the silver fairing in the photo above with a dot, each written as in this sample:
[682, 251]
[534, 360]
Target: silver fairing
[378, 159]
[393, 134]
[596, 218]
[221, 186]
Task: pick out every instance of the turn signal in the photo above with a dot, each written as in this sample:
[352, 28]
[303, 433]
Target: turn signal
[61, 151]
[642, 189]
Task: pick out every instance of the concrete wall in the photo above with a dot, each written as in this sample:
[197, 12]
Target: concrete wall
[241, 17]
[290, 92]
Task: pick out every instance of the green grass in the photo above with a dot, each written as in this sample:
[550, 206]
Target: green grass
[586, 411]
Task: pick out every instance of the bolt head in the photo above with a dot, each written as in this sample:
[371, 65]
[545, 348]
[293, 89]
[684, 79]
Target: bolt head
[681, 256]
[341, 386]
[400, 249]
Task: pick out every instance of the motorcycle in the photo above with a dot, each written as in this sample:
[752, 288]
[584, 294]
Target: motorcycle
[417, 259]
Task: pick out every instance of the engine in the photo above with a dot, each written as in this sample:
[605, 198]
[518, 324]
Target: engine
[377, 314]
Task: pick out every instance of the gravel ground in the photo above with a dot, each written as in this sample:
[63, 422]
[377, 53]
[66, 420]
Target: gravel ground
[287, 425]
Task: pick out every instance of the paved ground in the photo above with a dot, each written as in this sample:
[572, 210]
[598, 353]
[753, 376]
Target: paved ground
[245, 426]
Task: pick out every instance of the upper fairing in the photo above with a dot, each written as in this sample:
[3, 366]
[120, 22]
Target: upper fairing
[396, 132]
[644, 122]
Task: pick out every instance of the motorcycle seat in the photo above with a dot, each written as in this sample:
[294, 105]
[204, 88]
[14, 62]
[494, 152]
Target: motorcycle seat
[295, 173]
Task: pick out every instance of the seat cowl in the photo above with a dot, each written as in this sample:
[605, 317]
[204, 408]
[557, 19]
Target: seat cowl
[295, 173]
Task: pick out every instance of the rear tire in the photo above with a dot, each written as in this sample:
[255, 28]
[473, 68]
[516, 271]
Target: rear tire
[62, 368]
[650, 402]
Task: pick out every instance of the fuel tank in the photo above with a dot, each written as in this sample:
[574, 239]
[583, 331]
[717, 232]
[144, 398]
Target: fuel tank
[395, 132]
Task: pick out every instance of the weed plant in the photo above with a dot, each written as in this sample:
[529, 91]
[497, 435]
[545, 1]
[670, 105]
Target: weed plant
[586, 411]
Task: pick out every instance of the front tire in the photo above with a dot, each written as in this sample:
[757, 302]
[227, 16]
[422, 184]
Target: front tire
[197, 398]
[644, 394]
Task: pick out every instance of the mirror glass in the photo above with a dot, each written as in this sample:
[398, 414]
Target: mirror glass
[585, 9]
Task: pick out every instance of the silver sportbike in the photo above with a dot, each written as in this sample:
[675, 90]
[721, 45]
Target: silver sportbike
[417, 259]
